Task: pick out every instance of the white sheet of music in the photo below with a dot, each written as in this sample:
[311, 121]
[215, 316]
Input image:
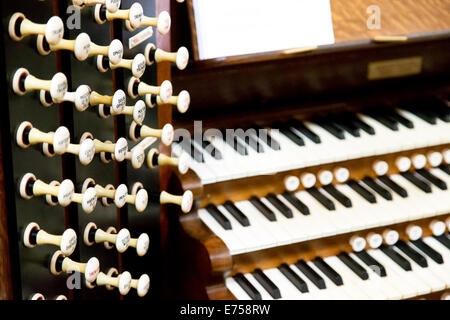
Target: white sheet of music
[234, 27]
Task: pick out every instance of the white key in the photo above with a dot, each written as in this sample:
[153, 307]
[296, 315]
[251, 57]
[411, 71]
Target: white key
[328, 227]
[236, 289]
[250, 240]
[425, 274]
[390, 292]
[308, 226]
[320, 294]
[257, 222]
[364, 211]
[393, 277]
[230, 239]
[348, 275]
[441, 270]
[287, 290]
[389, 289]
[409, 276]
[285, 223]
[264, 294]
[342, 292]
[417, 197]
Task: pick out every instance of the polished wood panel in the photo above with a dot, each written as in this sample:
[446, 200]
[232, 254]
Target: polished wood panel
[6, 286]
[397, 17]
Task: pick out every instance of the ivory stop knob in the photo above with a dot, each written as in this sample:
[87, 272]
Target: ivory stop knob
[33, 236]
[20, 27]
[141, 244]
[142, 285]
[24, 82]
[110, 5]
[59, 264]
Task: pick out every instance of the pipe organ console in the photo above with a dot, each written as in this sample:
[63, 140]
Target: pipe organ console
[317, 172]
[64, 213]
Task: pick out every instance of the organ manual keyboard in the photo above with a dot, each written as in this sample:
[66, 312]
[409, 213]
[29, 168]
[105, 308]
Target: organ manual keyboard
[320, 172]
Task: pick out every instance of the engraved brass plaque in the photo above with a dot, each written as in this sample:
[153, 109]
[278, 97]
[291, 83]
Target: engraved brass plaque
[394, 68]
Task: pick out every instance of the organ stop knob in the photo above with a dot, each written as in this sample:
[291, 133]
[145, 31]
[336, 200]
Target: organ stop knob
[20, 27]
[24, 82]
[59, 263]
[111, 5]
[141, 244]
[27, 135]
[110, 237]
[34, 235]
[182, 101]
[83, 47]
[154, 158]
[153, 54]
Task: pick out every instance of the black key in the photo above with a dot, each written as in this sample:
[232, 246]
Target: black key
[388, 123]
[333, 130]
[375, 186]
[422, 185]
[292, 136]
[377, 267]
[191, 150]
[211, 149]
[252, 141]
[247, 286]
[401, 119]
[445, 168]
[413, 254]
[429, 251]
[267, 284]
[444, 240]
[328, 271]
[345, 125]
[394, 186]
[363, 192]
[339, 196]
[293, 277]
[234, 142]
[264, 136]
[362, 125]
[353, 265]
[310, 274]
[432, 178]
[198, 154]
[421, 113]
[298, 125]
[319, 196]
[285, 210]
[394, 256]
[441, 110]
[296, 202]
[236, 213]
[218, 216]
[261, 207]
